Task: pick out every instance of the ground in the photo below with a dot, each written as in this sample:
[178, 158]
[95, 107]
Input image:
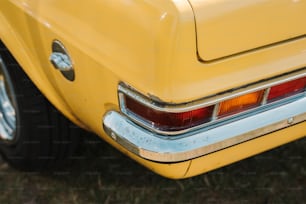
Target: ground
[100, 174]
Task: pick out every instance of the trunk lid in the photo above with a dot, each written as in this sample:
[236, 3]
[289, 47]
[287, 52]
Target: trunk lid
[229, 27]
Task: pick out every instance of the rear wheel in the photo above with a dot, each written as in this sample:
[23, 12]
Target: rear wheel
[33, 134]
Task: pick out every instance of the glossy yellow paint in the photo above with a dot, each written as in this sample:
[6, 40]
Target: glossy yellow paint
[151, 45]
[230, 27]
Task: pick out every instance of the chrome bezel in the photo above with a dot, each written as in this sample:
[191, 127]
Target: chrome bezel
[266, 84]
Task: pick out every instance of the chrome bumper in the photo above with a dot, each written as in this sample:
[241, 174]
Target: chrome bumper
[190, 145]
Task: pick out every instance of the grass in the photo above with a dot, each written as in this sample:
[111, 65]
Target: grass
[103, 175]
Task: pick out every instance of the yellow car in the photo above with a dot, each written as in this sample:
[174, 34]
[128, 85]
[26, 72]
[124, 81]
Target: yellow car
[182, 87]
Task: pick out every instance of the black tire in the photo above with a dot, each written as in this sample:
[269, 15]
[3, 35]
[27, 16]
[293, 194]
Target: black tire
[43, 138]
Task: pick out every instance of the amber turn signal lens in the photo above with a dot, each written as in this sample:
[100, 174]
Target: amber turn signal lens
[240, 103]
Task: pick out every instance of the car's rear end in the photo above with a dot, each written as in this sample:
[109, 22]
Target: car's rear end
[234, 89]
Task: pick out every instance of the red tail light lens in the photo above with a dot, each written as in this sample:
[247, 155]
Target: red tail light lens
[168, 121]
[287, 89]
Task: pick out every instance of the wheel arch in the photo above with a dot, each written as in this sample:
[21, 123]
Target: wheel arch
[16, 45]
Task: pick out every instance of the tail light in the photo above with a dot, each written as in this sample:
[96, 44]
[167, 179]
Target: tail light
[168, 121]
[287, 89]
[171, 120]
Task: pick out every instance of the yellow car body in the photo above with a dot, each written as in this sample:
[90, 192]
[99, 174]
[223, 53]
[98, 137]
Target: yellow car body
[174, 52]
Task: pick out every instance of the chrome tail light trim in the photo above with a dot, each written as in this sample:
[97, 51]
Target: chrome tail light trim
[266, 84]
[210, 100]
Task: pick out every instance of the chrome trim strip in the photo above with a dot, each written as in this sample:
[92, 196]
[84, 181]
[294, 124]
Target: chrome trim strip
[215, 112]
[265, 97]
[158, 148]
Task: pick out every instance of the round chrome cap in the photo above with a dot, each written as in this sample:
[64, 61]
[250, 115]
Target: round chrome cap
[61, 60]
